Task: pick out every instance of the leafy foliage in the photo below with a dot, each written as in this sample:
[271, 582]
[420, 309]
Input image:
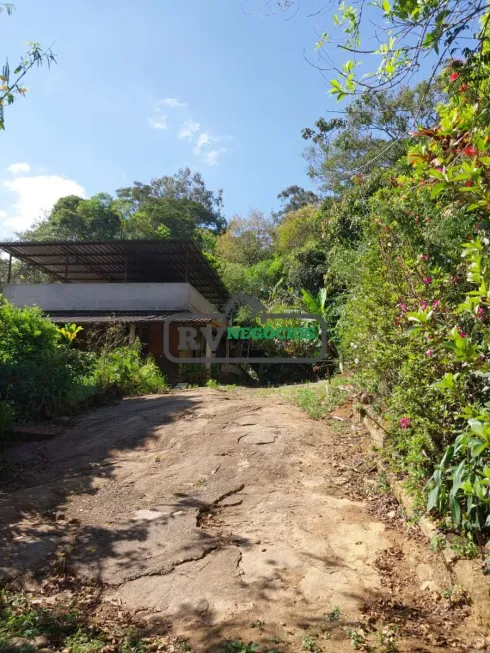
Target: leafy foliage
[12, 81]
[410, 30]
[246, 240]
[73, 218]
[295, 197]
[42, 373]
[124, 369]
[181, 203]
[297, 229]
[372, 134]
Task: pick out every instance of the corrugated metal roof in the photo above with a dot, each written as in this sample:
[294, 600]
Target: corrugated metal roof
[119, 261]
[98, 317]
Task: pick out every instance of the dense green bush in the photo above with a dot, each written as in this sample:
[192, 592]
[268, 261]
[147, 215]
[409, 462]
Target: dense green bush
[24, 333]
[125, 370]
[415, 316]
[43, 374]
[40, 376]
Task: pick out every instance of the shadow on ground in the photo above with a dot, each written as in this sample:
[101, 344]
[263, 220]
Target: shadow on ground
[48, 473]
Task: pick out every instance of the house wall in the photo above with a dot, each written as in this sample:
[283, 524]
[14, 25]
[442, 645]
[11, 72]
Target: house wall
[109, 297]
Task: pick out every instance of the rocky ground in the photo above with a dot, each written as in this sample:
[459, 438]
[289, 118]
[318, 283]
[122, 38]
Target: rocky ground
[209, 517]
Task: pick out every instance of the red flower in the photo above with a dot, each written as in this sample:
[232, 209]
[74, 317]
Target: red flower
[470, 151]
[453, 76]
[468, 183]
[463, 88]
[405, 422]
[427, 280]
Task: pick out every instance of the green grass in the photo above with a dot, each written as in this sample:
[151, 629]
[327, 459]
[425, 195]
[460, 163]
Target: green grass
[316, 399]
[237, 646]
[63, 628]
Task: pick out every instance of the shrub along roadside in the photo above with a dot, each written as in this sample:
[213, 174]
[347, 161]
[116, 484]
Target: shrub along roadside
[43, 375]
[415, 321]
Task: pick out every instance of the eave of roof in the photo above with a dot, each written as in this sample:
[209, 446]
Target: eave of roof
[125, 317]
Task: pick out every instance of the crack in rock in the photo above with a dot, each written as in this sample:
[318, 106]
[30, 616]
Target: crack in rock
[205, 510]
[235, 490]
[260, 441]
[161, 570]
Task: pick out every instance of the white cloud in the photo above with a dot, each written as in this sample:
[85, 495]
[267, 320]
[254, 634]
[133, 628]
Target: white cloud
[211, 158]
[16, 168]
[204, 139]
[187, 130]
[158, 122]
[173, 102]
[35, 196]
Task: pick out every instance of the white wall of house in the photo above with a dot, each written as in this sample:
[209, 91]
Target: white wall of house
[109, 297]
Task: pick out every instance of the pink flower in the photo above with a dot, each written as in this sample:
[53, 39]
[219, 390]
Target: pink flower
[424, 257]
[480, 311]
[427, 280]
[405, 422]
[435, 304]
[429, 353]
[403, 308]
[423, 305]
[462, 333]
[470, 151]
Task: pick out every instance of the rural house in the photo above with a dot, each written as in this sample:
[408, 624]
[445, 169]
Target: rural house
[138, 283]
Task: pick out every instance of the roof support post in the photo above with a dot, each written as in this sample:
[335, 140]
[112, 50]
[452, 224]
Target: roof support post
[9, 273]
[132, 333]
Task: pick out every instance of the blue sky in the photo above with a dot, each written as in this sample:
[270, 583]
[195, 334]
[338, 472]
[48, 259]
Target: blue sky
[141, 89]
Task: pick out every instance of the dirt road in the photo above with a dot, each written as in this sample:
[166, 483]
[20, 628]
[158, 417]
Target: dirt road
[227, 515]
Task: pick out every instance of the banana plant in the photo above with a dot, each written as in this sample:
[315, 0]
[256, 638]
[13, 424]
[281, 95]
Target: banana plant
[69, 332]
[316, 306]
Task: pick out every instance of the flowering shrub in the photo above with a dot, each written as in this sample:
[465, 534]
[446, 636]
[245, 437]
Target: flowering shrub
[416, 317]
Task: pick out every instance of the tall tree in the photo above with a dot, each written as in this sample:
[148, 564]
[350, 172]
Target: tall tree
[247, 240]
[168, 217]
[74, 218]
[371, 134]
[180, 202]
[296, 197]
[297, 228]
